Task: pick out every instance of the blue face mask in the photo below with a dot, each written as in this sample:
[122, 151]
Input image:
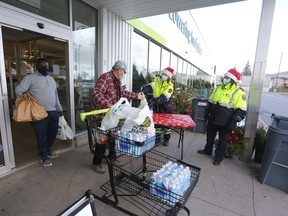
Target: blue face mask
[225, 81]
[164, 78]
[122, 76]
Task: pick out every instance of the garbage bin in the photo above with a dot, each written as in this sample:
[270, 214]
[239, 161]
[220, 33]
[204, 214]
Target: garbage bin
[198, 113]
[274, 166]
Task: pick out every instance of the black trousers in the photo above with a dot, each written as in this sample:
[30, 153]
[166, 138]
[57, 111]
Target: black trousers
[211, 132]
[100, 152]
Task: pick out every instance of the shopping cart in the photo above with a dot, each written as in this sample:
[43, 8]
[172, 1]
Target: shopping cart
[130, 179]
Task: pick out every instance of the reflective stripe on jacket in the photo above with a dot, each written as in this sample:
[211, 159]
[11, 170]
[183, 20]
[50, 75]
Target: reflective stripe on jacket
[162, 92]
[226, 103]
[159, 87]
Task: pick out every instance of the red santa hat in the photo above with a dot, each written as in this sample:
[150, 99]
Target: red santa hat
[168, 71]
[234, 75]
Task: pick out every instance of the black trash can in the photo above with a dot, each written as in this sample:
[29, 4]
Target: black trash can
[198, 113]
[274, 166]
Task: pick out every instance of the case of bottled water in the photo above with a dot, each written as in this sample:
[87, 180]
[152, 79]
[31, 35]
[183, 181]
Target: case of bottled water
[170, 182]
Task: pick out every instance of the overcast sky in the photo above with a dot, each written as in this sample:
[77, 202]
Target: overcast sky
[231, 32]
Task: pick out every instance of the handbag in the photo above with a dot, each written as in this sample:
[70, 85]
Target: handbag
[27, 109]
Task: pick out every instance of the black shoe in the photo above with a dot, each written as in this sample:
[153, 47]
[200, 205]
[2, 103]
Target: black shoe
[203, 152]
[166, 143]
[216, 162]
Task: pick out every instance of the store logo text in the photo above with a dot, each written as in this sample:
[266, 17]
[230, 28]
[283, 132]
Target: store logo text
[182, 26]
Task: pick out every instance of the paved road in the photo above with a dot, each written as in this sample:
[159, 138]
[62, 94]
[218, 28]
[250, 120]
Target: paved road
[273, 103]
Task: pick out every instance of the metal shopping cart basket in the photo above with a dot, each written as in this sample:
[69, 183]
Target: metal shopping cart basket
[133, 186]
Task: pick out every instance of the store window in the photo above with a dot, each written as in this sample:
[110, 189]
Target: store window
[189, 74]
[84, 57]
[139, 60]
[154, 58]
[174, 63]
[180, 74]
[53, 9]
[165, 58]
[184, 77]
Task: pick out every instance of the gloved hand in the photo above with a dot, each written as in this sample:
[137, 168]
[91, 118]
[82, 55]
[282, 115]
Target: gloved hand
[152, 102]
[231, 125]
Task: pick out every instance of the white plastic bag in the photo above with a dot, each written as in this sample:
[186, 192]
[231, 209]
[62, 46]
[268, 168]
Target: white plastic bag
[61, 133]
[143, 111]
[112, 117]
[65, 131]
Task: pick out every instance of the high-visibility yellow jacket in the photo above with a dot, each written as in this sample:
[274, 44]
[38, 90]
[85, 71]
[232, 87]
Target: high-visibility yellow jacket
[162, 92]
[226, 104]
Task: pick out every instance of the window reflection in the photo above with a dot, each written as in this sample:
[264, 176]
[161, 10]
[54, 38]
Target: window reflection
[139, 60]
[53, 9]
[174, 63]
[154, 58]
[165, 59]
[84, 58]
[179, 74]
[158, 59]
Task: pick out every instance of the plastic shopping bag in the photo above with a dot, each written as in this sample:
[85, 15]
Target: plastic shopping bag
[143, 113]
[61, 134]
[64, 131]
[118, 111]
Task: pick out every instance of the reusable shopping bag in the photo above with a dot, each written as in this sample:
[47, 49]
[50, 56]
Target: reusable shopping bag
[27, 109]
[64, 131]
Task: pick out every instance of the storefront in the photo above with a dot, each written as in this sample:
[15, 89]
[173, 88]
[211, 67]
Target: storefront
[80, 43]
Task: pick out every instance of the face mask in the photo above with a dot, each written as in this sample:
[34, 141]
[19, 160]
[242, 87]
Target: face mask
[122, 76]
[164, 78]
[43, 70]
[225, 81]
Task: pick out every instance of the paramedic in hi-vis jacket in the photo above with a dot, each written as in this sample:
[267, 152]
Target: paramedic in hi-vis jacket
[226, 106]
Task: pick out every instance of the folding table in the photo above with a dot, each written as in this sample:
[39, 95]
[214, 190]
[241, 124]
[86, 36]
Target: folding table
[177, 122]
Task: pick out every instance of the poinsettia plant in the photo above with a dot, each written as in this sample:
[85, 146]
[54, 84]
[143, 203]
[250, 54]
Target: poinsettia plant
[236, 143]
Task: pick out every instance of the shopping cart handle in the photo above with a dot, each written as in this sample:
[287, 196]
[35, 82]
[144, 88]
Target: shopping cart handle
[94, 112]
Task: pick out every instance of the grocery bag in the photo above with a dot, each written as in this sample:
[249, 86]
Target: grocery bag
[119, 110]
[144, 117]
[64, 131]
[27, 109]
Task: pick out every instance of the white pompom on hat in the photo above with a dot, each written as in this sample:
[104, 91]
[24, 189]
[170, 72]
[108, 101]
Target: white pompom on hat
[234, 75]
[168, 71]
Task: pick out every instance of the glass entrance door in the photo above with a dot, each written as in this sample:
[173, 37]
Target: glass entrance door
[21, 50]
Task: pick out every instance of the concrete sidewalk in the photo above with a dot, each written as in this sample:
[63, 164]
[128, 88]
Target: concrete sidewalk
[230, 189]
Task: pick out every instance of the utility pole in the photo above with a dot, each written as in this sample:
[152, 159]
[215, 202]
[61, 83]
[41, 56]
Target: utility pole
[278, 71]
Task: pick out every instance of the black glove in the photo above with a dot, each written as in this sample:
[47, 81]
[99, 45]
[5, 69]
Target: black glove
[152, 102]
[231, 125]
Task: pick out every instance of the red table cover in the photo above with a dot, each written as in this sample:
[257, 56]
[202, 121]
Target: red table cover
[173, 120]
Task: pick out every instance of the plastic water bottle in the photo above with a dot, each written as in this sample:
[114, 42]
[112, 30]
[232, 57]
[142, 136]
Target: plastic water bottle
[166, 180]
[159, 184]
[130, 143]
[173, 192]
[187, 174]
[153, 183]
